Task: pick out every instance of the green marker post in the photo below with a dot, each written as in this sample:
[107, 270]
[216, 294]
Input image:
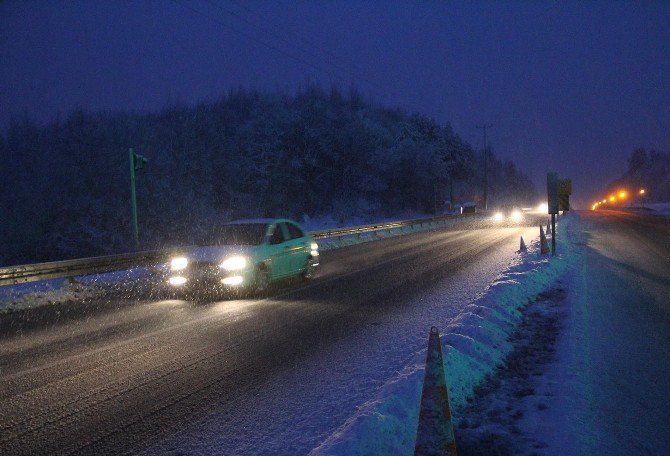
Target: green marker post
[133, 199]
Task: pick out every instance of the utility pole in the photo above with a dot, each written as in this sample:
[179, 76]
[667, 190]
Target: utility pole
[486, 167]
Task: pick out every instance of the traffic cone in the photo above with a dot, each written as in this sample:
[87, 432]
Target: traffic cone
[544, 246]
[435, 434]
[522, 245]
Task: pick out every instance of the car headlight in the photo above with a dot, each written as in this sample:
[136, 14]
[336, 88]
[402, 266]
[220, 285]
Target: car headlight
[179, 263]
[516, 216]
[498, 216]
[314, 246]
[234, 263]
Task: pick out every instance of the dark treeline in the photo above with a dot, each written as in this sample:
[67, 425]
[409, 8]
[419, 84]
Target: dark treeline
[648, 169]
[65, 186]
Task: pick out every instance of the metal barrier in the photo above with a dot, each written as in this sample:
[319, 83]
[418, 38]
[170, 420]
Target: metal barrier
[12, 275]
[387, 226]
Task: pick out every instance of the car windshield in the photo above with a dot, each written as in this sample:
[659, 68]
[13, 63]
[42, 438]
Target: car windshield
[237, 234]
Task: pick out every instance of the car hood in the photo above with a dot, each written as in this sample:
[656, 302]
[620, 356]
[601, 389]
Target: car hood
[217, 253]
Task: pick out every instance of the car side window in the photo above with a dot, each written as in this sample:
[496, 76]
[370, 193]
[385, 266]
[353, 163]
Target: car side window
[294, 231]
[277, 236]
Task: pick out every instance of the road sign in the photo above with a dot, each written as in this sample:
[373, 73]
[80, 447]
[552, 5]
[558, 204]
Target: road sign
[552, 192]
[564, 192]
[139, 161]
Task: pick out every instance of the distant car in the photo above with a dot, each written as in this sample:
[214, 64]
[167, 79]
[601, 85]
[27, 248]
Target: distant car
[247, 254]
[508, 215]
[469, 208]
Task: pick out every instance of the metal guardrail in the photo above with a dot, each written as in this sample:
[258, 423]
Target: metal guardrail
[435, 221]
[13, 275]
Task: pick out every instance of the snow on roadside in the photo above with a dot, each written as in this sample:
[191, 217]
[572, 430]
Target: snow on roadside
[57, 291]
[474, 343]
[659, 208]
[329, 221]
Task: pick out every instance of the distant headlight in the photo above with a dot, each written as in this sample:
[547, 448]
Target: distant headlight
[234, 263]
[516, 216]
[179, 263]
[498, 217]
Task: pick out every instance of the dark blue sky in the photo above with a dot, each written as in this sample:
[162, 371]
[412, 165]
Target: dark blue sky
[568, 87]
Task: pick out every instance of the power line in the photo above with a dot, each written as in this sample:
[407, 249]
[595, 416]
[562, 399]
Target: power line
[484, 126]
[299, 38]
[315, 66]
[251, 37]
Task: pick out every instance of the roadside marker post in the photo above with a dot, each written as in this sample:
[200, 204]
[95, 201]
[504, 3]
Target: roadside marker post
[544, 248]
[435, 433]
[137, 162]
[522, 245]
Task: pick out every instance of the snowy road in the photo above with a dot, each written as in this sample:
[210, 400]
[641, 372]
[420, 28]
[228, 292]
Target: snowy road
[129, 374]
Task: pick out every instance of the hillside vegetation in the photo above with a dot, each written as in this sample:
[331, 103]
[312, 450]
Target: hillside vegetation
[648, 169]
[65, 188]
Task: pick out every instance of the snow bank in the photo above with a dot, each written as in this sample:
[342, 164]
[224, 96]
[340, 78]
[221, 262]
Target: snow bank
[329, 221]
[659, 208]
[57, 291]
[474, 343]
[343, 241]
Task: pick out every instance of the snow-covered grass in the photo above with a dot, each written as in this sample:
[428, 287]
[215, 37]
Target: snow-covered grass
[607, 389]
[474, 344]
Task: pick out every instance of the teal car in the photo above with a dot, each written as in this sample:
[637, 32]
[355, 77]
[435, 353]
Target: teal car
[246, 254]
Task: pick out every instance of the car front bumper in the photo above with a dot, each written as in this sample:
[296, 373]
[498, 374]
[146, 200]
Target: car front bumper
[209, 276]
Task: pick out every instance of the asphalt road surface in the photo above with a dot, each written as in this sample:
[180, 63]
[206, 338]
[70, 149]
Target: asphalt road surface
[120, 374]
[639, 244]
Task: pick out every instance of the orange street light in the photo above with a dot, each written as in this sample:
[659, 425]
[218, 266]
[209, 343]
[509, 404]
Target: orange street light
[612, 198]
[622, 195]
[642, 191]
[604, 201]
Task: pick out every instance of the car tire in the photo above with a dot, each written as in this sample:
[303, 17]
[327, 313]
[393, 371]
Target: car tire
[309, 270]
[262, 280]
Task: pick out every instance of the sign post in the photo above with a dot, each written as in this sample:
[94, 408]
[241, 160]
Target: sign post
[136, 162]
[552, 202]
